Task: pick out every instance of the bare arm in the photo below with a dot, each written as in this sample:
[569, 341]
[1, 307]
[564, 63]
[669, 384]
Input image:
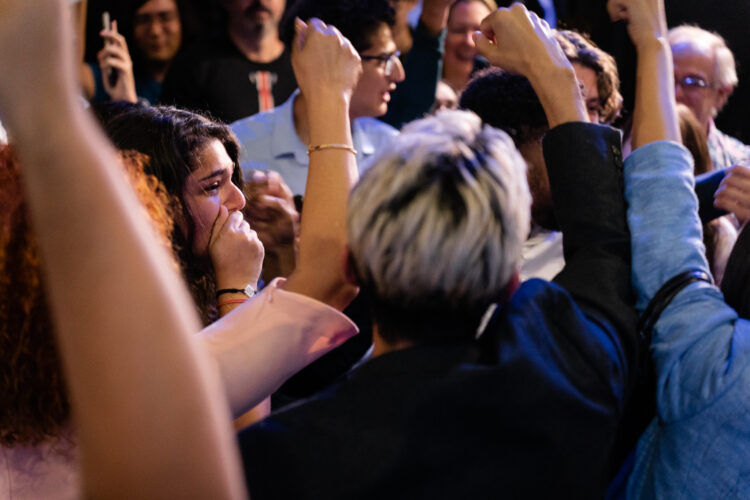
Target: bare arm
[327, 68]
[122, 316]
[434, 15]
[655, 117]
[518, 41]
[401, 29]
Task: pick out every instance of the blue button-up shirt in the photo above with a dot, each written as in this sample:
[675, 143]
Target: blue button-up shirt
[269, 141]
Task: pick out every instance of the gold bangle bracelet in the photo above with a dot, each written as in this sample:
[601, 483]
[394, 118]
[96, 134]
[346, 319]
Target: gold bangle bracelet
[321, 147]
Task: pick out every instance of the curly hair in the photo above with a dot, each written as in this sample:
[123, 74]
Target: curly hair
[32, 387]
[508, 102]
[357, 20]
[173, 140]
[580, 49]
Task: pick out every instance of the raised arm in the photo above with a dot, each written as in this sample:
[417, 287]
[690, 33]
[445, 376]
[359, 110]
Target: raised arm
[655, 116]
[423, 65]
[518, 41]
[139, 387]
[584, 166]
[327, 68]
[696, 331]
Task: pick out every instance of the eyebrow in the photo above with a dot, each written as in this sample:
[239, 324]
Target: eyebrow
[215, 173]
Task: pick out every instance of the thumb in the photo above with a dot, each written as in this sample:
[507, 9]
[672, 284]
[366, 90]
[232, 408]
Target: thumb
[484, 45]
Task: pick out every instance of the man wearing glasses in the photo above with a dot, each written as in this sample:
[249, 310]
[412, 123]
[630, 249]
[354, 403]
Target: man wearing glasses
[278, 139]
[705, 77]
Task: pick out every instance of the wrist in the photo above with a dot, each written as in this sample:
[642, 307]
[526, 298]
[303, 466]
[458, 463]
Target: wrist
[235, 282]
[246, 291]
[559, 92]
[652, 45]
[325, 101]
[329, 121]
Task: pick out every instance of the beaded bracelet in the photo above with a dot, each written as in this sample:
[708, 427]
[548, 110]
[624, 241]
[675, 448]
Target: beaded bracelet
[321, 147]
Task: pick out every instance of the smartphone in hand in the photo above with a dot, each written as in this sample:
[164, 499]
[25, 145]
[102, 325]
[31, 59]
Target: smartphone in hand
[109, 73]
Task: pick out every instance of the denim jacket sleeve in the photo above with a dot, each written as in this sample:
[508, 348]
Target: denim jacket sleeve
[699, 346]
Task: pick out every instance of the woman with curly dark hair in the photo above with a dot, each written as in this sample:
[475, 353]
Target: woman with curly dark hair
[197, 161]
[140, 385]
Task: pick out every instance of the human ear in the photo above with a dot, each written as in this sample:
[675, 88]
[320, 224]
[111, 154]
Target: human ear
[722, 95]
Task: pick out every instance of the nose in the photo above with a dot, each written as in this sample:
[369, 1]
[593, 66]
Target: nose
[155, 27]
[397, 71]
[235, 199]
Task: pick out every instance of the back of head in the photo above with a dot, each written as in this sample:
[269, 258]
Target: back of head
[34, 397]
[694, 139]
[508, 102]
[357, 20]
[436, 227]
[580, 49]
[725, 71]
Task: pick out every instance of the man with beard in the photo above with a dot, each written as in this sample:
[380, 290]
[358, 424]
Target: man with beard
[243, 71]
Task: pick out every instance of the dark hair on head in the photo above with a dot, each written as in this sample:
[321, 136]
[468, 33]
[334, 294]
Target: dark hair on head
[357, 20]
[32, 387]
[506, 101]
[695, 140]
[173, 140]
[736, 283]
[579, 48]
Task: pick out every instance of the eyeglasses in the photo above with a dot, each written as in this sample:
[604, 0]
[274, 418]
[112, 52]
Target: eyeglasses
[385, 61]
[691, 83]
[164, 17]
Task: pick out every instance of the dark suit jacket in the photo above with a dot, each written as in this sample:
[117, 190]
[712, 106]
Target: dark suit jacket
[530, 411]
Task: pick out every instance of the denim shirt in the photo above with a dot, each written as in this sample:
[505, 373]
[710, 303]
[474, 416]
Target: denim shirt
[699, 444]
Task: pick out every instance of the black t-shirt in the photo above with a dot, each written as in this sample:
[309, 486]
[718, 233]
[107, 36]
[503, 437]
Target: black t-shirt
[212, 75]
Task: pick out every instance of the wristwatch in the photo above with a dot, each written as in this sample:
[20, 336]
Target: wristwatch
[248, 290]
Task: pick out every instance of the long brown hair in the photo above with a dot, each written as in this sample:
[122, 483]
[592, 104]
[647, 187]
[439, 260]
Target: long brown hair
[173, 140]
[32, 388]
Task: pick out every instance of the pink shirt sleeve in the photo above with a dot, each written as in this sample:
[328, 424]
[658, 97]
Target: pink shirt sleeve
[268, 339]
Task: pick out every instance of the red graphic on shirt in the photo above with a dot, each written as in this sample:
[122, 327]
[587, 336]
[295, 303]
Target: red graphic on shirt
[264, 81]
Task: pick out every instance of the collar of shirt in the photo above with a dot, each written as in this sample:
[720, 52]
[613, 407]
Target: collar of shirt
[284, 140]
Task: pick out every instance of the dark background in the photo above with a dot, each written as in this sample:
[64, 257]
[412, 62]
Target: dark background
[729, 18]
